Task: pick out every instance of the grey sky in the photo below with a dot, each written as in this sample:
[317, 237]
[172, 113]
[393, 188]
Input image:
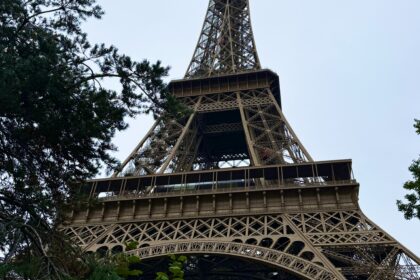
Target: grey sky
[349, 75]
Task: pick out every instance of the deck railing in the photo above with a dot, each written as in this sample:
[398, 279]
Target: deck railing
[301, 175]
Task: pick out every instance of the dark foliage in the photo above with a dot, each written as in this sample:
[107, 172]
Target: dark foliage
[57, 121]
[411, 207]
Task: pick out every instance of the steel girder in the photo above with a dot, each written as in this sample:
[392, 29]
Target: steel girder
[172, 145]
[226, 43]
[314, 245]
[311, 227]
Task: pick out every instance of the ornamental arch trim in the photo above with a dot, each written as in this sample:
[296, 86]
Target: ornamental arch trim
[293, 264]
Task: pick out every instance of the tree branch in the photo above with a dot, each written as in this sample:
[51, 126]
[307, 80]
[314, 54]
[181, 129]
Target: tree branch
[28, 18]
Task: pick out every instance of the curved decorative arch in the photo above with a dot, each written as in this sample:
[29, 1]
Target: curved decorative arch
[290, 263]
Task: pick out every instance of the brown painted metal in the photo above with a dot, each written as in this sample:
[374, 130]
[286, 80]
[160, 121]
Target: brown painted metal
[226, 43]
[233, 179]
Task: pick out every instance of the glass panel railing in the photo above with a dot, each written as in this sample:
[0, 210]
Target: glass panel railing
[282, 176]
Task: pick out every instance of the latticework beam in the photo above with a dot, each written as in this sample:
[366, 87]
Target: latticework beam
[226, 43]
[232, 180]
[173, 145]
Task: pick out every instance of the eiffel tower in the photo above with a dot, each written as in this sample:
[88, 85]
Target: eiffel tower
[231, 186]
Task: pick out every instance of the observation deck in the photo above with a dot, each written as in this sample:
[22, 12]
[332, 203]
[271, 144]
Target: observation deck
[219, 192]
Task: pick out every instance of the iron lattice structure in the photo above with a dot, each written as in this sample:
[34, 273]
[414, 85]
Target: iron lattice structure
[231, 184]
[226, 43]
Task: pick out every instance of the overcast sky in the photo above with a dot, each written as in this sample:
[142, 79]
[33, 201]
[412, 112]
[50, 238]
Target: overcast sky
[349, 74]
